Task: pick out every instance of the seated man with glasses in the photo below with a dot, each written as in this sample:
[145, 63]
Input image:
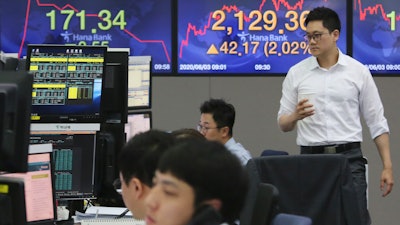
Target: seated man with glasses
[216, 124]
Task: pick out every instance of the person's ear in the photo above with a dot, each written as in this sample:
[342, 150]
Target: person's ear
[215, 203]
[136, 185]
[336, 34]
[225, 130]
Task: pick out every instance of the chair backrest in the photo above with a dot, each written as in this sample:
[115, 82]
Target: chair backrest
[270, 152]
[261, 205]
[290, 219]
[318, 186]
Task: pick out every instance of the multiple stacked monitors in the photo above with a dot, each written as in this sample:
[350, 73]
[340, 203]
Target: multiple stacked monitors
[376, 35]
[67, 83]
[81, 86]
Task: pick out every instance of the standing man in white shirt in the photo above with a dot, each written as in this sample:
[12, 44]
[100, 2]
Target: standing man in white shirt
[216, 124]
[326, 95]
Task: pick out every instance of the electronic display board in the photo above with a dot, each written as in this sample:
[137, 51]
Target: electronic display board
[142, 25]
[183, 37]
[376, 35]
[246, 37]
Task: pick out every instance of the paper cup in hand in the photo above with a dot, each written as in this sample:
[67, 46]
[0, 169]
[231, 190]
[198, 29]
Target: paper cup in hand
[310, 97]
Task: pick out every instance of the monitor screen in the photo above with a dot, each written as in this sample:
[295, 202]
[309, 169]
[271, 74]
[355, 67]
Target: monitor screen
[67, 82]
[376, 31]
[39, 192]
[74, 147]
[115, 86]
[143, 26]
[246, 37]
[137, 122]
[139, 82]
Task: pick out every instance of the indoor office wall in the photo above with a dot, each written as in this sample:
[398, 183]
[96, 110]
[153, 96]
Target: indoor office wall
[176, 102]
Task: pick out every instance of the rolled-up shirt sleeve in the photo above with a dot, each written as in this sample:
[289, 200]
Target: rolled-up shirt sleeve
[372, 108]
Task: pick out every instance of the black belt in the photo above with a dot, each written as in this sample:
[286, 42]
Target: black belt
[330, 148]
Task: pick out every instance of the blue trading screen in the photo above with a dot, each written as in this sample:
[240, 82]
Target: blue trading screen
[67, 83]
[246, 37]
[142, 25]
[376, 35]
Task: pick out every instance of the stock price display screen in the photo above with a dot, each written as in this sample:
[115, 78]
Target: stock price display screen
[143, 26]
[246, 37]
[376, 36]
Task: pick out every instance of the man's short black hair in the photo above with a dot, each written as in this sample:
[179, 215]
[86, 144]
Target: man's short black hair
[330, 19]
[184, 133]
[211, 170]
[223, 113]
[139, 156]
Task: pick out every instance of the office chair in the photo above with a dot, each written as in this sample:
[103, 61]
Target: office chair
[265, 205]
[270, 152]
[317, 186]
[261, 205]
[290, 219]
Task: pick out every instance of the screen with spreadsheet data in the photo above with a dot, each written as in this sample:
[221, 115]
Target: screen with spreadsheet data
[139, 82]
[67, 82]
[73, 160]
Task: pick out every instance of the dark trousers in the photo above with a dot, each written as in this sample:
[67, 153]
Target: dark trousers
[357, 165]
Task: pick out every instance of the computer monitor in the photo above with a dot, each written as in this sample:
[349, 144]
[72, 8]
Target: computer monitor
[67, 85]
[115, 82]
[12, 201]
[138, 122]
[139, 82]
[74, 157]
[15, 109]
[39, 187]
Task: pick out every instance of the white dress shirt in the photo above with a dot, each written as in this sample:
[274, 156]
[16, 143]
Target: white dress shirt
[238, 150]
[341, 95]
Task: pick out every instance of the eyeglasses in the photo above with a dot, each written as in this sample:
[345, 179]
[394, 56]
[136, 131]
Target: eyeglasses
[201, 128]
[316, 36]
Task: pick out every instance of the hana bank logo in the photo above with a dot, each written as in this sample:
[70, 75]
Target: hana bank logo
[85, 38]
[243, 36]
[66, 35]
